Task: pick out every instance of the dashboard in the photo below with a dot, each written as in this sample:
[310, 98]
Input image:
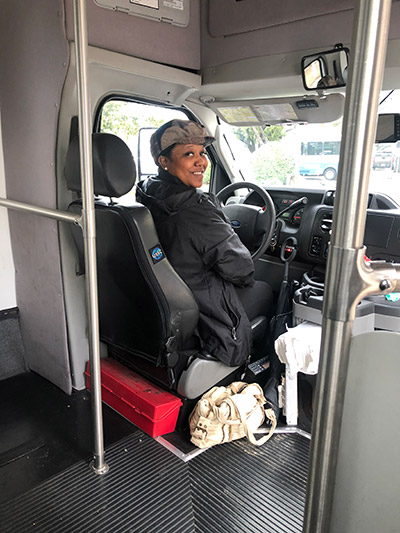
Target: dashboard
[311, 224]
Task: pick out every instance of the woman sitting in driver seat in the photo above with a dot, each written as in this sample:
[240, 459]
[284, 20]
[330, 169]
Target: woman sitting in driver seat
[201, 244]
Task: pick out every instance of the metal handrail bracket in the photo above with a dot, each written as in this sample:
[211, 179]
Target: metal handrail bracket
[55, 214]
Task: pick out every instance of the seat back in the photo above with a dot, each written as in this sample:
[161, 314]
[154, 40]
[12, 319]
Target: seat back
[147, 313]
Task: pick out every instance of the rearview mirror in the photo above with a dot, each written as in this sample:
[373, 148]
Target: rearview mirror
[325, 70]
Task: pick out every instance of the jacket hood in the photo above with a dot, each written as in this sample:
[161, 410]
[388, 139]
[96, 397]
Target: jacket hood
[166, 193]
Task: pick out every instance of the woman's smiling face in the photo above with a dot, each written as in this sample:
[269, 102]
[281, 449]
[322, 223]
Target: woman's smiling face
[187, 162]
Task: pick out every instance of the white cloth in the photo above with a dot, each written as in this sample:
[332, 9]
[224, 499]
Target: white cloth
[299, 348]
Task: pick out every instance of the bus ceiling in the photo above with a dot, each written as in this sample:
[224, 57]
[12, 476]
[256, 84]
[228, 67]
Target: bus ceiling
[251, 54]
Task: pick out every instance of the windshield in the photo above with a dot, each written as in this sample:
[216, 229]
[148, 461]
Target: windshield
[307, 155]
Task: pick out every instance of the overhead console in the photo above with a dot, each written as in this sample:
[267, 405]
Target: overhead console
[278, 110]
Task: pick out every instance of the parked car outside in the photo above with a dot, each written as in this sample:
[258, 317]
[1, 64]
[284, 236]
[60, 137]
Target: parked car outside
[382, 159]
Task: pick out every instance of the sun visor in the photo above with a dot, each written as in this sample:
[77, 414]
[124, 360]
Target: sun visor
[316, 109]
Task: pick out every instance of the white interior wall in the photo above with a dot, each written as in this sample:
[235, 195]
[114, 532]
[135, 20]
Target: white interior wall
[8, 297]
[34, 57]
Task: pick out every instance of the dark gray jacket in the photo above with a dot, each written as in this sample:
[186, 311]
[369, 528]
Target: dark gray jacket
[208, 255]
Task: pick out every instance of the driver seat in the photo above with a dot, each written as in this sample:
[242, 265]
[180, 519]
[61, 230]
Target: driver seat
[147, 314]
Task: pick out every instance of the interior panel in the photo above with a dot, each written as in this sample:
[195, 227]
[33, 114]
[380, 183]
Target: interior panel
[31, 82]
[248, 16]
[171, 45]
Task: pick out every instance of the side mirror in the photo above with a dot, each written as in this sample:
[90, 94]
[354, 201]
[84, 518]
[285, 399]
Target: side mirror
[145, 161]
[325, 70]
[388, 128]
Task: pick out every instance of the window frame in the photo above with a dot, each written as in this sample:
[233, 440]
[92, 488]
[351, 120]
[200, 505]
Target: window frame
[211, 152]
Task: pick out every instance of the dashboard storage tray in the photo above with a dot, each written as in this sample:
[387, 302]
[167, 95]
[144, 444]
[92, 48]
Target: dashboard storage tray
[307, 306]
[387, 313]
[149, 407]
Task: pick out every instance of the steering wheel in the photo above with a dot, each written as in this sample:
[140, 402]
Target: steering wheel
[254, 225]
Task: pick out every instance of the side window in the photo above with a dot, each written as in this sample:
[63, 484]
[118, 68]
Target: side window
[332, 148]
[135, 122]
[314, 148]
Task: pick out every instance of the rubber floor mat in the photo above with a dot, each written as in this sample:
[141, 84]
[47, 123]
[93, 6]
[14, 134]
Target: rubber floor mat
[232, 488]
[245, 489]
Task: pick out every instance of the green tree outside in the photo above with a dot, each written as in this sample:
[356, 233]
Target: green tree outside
[272, 165]
[117, 118]
[256, 136]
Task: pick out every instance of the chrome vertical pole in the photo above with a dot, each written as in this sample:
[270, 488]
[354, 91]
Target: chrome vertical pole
[367, 58]
[89, 231]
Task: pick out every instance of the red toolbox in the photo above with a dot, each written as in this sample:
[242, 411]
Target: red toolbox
[149, 407]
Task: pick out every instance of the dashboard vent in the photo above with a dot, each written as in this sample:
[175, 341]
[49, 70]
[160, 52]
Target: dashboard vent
[325, 224]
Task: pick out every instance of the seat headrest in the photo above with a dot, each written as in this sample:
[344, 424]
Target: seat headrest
[114, 170]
